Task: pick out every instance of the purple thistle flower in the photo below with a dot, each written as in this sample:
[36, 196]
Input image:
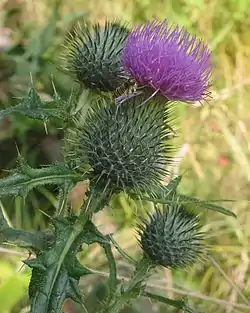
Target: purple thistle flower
[169, 60]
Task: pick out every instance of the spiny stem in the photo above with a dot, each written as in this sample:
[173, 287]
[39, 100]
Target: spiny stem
[112, 282]
[179, 304]
[63, 197]
[122, 253]
[131, 290]
[77, 229]
[41, 300]
[3, 221]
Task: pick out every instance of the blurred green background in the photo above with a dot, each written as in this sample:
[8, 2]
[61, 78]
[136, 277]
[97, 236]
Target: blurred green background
[215, 147]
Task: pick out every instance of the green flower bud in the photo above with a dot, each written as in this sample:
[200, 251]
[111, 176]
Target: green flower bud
[171, 237]
[94, 56]
[128, 146]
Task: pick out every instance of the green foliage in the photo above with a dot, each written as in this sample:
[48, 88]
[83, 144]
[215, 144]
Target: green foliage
[33, 107]
[179, 304]
[56, 271]
[24, 178]
[225, 24]
[26, 239]
[169, 195]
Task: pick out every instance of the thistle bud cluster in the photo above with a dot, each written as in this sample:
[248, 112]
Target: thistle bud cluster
[126, 138]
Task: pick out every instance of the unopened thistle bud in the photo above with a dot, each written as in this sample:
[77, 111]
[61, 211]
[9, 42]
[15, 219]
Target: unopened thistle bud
[129, 146]
[171, 237]
[94, 56]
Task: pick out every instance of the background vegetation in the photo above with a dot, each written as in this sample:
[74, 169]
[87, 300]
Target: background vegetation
[214, 153]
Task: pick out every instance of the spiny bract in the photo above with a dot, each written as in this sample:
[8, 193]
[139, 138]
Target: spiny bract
[93, 56]
[171, 237]
[129, 146]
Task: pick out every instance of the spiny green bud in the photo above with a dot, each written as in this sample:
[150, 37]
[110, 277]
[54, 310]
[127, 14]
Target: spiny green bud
[171, 237]
[128, 146]
[94, 56]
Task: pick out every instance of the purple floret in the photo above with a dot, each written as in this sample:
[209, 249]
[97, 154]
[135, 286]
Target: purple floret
[169, 60]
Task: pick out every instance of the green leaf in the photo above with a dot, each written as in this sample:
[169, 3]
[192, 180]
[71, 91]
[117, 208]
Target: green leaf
[33, 107]
[208, 204]
[56, 273]
[65, 286]
[24, 178]
[179, 304]
[166, 191]
[91, 235]
[201, 204]
[36, 241]
[169, 195]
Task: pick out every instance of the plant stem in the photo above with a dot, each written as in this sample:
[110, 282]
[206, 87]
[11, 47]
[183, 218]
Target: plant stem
[112, 269]
[77, 229]
[63, 198]
[55, 257]
[178, 304]
[122, 253]
[124, 294]
[142, 272]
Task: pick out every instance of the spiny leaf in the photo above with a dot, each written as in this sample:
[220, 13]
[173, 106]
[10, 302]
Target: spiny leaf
[179, 304]
[33, 107]
[90, 235]
[207, 204]
[35, 241]
[65, 286]
[169, 195]
[24, 178]
[165, 191]
[201, 204]
[55, 275]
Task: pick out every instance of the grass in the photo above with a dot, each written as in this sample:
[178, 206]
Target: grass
[216, 140]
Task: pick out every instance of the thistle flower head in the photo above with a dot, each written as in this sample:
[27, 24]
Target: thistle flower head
[94, 56]
[168, 60]
[130, 147]
[171, 237]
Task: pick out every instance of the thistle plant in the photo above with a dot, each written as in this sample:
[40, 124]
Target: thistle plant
[116, 146]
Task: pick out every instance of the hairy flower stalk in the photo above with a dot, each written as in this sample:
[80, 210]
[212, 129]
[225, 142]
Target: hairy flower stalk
[169, 61]
[93, 56]
[129, 147]
[171, 237]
